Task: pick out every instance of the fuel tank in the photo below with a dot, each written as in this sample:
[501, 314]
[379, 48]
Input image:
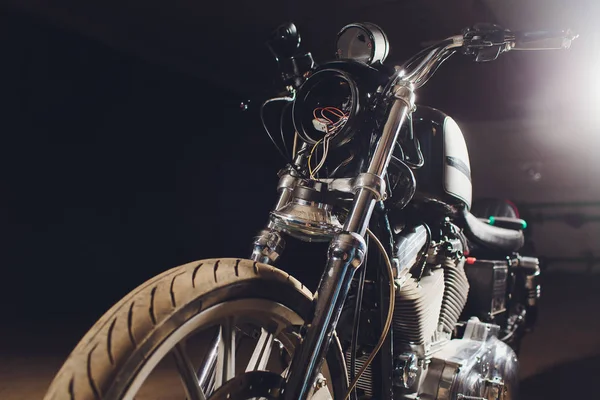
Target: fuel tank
[446, 174]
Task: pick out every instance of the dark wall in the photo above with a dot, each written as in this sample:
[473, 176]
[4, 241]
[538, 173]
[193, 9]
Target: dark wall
[113, 170]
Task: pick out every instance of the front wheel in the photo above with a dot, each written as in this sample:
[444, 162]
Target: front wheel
[211, 328]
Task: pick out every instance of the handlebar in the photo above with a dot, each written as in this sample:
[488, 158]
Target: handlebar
[544, 40]
[485, 42]
[436, 56]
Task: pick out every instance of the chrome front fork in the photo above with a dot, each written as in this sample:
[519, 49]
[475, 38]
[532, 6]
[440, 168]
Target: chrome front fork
[346, 253]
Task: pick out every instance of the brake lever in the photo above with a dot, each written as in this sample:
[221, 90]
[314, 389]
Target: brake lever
[487, 41]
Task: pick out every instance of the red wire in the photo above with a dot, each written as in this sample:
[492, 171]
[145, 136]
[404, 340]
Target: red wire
[315, 113]
[335, 111]
[324, 117]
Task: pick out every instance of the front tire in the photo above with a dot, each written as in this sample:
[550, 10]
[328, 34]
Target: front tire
[113, 358]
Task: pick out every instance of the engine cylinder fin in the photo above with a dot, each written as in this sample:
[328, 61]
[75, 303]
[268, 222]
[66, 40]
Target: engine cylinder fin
[456, 289]
[418, 305]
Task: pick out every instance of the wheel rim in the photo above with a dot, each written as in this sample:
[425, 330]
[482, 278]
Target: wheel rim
[276, 323]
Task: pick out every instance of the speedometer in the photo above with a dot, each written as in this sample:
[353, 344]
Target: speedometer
[363, 42]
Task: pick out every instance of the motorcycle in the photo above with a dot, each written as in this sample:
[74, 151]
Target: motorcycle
[419, 298]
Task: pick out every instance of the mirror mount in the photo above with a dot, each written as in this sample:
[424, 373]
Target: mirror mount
[294, 64]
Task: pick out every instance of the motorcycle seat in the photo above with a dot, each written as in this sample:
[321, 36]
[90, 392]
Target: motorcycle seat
[492, 237]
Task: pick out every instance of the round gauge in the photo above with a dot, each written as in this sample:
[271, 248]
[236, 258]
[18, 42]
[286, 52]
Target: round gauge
[364, 42]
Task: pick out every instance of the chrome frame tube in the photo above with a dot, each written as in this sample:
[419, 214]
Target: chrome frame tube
[346, 253]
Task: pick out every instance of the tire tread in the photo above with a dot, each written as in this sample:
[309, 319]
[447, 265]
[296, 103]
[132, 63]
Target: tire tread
[96, 361]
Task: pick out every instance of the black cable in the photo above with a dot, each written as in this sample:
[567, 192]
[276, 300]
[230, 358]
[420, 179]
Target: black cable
[281, 127]
[287, 158]
[356, 319]
[408, 182]
[419, 153]
[401, 150]
[342, 164]
[385, 225]
[262, 118]
[416, 146]
[388, 184]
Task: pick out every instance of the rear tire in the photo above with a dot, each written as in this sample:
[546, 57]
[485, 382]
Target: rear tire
[105, 362]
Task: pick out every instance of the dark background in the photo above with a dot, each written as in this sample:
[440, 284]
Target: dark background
[124, 152]
[114, 169]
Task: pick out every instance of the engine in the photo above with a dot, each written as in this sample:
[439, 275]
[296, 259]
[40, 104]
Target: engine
[429, 364]
[478, 366]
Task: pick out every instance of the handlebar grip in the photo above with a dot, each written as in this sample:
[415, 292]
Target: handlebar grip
[543, 40]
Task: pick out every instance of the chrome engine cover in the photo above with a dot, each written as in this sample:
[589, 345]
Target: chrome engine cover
[477, 367]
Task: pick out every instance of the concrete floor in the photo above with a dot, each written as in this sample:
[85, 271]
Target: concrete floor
[560, 360]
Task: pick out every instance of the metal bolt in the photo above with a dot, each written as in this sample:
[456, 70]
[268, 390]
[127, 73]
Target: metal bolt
[406, 368]
[320, 381]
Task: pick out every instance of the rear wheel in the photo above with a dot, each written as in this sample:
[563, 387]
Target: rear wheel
[211, 328]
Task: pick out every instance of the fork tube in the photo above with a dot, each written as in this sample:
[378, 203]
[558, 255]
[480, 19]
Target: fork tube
[364, 201]
[346, 253]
